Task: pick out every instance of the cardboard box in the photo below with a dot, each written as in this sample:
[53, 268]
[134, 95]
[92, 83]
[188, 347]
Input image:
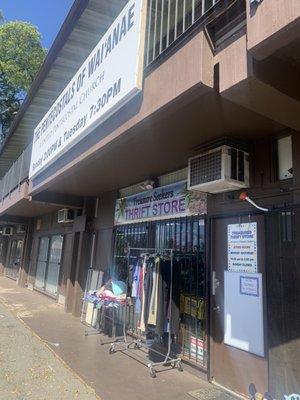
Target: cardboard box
[91, 316]
[194, 307]
[201, 309]
[182, 303]
[187, 304]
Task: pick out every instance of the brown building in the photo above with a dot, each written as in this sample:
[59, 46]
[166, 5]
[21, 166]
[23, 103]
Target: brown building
[218, 91]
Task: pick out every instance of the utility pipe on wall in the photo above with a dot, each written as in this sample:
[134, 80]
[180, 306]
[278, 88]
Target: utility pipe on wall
[244, 197]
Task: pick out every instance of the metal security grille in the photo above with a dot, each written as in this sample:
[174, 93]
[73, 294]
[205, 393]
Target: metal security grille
[169, 19]
[133, 235]
[184, 235]
[206, 168]
[187, 237]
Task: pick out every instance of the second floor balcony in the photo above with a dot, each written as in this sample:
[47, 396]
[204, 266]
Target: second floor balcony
[16, 175]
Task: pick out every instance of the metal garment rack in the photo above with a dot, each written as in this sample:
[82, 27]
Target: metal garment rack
[101, 317]
[138, 342]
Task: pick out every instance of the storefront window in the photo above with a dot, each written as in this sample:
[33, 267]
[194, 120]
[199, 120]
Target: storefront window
[48, 263]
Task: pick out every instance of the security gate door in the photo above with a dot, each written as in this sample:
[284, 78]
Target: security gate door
[236, 298]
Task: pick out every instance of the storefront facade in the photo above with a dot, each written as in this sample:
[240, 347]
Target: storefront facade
[184, 234]
[120, 165]
[50, 259]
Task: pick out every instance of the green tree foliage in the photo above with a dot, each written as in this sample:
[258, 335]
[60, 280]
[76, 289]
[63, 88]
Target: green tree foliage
[21, 55]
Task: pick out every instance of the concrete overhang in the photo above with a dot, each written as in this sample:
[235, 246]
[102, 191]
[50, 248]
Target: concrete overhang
[268, 87]
[160, 144]
[19, 204]
[272, 25]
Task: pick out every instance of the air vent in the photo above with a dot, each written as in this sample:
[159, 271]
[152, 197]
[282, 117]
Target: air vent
[219, 170]
[7, 231]
[21, 228]
[65, 215]
[206, 168]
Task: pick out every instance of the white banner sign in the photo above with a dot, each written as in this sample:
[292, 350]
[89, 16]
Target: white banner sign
[109, 77]
[171, 201]
[242, 247]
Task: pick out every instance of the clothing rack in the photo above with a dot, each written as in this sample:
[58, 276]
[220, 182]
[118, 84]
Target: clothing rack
[98, 314]
[138, 342]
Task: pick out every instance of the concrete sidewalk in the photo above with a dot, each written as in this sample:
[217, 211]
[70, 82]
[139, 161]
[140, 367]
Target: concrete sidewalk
[114, 377]
[30, 370]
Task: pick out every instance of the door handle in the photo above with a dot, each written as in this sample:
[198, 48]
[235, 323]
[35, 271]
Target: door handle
[217, 308]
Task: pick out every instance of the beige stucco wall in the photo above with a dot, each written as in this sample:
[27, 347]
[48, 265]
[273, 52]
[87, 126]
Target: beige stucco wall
[271, 25]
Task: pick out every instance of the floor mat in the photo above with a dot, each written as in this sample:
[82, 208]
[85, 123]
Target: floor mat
[210, 394]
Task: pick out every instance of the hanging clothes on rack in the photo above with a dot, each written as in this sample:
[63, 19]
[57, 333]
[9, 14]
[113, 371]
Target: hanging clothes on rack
[152, 309]
[141, 322]
[157, 305]
[172, 302]
[136, 287]
[148, 287]
[150, 284]
[135, 280]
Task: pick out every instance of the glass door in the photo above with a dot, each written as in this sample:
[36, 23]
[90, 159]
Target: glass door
[15, 256]
[48, 263]
[54, 264]
[42, 261]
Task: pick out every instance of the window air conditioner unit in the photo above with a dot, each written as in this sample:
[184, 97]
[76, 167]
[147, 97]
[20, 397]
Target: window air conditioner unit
[65, 215]
[21, 229]
[7, 231]
[219, 170]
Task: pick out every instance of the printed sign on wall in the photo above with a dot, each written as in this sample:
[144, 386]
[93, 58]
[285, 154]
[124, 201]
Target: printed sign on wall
[242, 247]
[109, 77]
[165, 202]
[249, 285]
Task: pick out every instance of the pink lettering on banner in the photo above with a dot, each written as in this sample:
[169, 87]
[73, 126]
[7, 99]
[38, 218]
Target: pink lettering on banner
[174, 206]
[145, 211]
[157, 209]
[181, 205]
[128, 214]
[167, 207]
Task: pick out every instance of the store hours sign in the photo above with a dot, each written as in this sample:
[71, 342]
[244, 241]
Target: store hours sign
[109, 77]
[169, 201]
[242, 247]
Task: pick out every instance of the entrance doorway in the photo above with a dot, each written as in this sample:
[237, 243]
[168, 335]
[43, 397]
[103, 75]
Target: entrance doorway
[15, 257]
[234, 363]
[48, 264]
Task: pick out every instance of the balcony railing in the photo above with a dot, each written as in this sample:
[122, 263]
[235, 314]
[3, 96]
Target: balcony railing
[170, 19]
[17, 174]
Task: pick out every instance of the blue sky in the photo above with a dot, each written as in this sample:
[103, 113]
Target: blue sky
[47, 15]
